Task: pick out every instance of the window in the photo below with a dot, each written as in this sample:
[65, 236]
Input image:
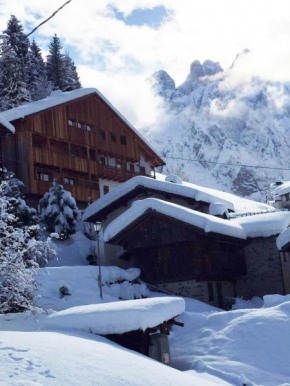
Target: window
[102, 134]
[79, 125]
[71, 122]
[89, 128]
[118, 164]
[36, 143]
[123, 140]
[106, 189]
[102, 160]
[42, 176]
[287, 196]
[113, 137]
[142, 170]
[69, 181]
[92, 154]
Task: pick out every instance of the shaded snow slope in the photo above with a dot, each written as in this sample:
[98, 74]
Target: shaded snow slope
[221, 117]
[52, 358]
[250, 346]
[82, 283]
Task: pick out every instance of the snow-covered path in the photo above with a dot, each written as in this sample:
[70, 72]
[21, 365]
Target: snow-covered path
[53, 358]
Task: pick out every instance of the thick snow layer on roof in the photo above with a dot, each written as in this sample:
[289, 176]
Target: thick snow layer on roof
[185, 189]
[282, 189]
[262, 225]
[283, 239]
[118, 317]
[57, 98]
[7, 124]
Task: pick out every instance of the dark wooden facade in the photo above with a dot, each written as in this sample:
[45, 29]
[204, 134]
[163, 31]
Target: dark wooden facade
[168, 250]
[70, 143]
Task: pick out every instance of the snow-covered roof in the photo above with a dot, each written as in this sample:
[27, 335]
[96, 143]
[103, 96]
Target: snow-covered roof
[186, 189]
[7, 124]
[282, 189]
[118, 317]
[283, 239]
[58, 97]
[261, 225]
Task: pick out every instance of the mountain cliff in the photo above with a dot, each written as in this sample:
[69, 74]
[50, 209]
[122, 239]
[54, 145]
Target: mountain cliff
[219, 117]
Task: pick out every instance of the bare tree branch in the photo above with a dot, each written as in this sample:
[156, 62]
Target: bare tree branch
[39, 25]
[50, 17]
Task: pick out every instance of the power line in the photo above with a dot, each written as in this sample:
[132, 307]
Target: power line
[224, 163]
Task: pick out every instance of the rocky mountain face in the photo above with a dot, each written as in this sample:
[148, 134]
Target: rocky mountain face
[216, 118]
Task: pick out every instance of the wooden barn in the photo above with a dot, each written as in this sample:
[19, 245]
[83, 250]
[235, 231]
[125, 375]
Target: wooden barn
[193, 241]
[78, 139]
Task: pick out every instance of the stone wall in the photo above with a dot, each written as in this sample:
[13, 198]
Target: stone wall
[264, 271]
[218, 294]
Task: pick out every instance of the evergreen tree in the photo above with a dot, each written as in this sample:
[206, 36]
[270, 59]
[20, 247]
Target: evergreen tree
[55, 65]
[11, 190]
[17, 40]
[71, 80]
[13, 66]
[16, 282]
[38, 84]
[59, 211]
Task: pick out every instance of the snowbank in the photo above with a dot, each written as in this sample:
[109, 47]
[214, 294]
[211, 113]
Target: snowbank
[82, 284]
[119, 317]
[283, 239]
[262, 225]
[73, 251]
[52, 358]
[185, 189]
[250, 346]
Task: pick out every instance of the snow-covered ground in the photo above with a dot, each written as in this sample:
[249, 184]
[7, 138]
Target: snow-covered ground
[244, 346]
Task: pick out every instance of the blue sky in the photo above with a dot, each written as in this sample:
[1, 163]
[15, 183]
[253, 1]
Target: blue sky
[118, 44]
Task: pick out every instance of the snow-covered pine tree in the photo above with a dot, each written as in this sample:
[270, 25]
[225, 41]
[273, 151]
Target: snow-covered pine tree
[59, 211]
[38, 84]
[71, 80]
[55, 65]
[11, 190]
[13, 66]
[16, 282]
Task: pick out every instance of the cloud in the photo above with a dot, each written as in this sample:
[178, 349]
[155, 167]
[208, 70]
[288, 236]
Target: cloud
[119, 57]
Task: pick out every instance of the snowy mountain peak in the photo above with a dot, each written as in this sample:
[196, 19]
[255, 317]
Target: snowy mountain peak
[208, 68]
[162, 83]
[223, 123]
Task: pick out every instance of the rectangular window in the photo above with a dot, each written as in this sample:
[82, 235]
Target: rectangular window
[119, 165]
[102, 134]
[69, 181]
[92, 154]
[142, 170]
[123, 140]
[102, 160]
[89, 128]
[106, 189]
[113, 137]
[42, 176]
[79, 125]
[71, 122]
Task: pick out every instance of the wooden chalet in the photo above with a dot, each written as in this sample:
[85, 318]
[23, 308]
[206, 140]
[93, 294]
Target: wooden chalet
[78, 139]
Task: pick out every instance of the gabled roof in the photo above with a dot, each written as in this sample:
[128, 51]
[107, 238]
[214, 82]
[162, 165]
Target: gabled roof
[282, 189]
[261, 225]
[57, 98]
[185, 190]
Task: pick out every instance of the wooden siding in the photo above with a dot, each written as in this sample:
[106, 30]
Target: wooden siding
[72, 151]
